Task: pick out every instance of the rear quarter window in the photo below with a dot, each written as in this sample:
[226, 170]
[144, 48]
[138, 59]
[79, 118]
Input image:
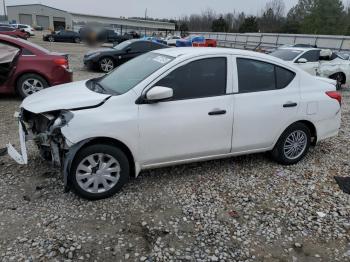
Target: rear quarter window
[283, 77]
[258, 76]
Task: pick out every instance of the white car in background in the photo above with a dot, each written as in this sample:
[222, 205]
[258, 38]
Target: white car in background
[186, 105]
[27, 28]
[171, 40]
[317, 62]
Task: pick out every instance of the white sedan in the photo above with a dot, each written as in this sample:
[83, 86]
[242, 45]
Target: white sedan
[318, 62]
[186, 105]
[171, 40]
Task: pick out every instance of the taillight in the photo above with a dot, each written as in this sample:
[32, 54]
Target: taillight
[334, 95]
[61, 62]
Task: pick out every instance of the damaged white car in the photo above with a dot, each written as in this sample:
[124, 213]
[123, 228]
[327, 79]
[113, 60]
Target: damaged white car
[317, 62]
[176, 106]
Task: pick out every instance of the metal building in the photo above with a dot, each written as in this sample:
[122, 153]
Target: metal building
[53, 18]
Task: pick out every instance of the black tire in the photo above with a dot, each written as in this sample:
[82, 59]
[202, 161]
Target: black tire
[77, 40]
[340, 78]
[102, 61]
[24, 78]
[112, 151]
[278, 153]
[51, 39]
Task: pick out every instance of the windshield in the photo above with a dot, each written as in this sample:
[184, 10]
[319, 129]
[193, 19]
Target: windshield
[122, 45]
[128, 75]
[286, 54]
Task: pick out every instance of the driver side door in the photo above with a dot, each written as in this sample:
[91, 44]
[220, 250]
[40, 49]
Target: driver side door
[197, 121]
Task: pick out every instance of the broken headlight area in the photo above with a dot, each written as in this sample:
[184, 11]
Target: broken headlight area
[45, 130]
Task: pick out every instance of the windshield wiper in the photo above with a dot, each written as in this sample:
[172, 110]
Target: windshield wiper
[101, 87]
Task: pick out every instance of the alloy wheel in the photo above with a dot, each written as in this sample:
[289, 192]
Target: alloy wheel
[107, 65]
[295, 145]
[31, 86]
[98, 173]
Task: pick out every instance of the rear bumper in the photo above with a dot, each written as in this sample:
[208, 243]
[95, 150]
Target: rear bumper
[329, 127]
[65, 77]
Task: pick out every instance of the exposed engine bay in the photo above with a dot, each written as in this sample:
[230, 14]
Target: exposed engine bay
[45, 130]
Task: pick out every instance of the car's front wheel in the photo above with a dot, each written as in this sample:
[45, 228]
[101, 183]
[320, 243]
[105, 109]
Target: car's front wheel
[106, 64]
[77, 40]
[293, 144]
[51, 39]
[29, 84]
[99, 171]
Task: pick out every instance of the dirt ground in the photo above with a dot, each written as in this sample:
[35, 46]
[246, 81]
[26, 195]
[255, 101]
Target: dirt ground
[239, 209]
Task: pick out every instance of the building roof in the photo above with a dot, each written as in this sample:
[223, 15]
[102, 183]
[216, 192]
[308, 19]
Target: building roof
[100, 16]
[38, 4]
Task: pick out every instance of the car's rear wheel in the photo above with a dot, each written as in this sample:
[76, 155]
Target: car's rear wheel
[293, 144]
[99, 171]
[29, 84]
[77, 40]
[106, 64]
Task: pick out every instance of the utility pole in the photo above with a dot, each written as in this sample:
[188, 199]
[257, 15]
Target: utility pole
[5, 15]
[145, 19]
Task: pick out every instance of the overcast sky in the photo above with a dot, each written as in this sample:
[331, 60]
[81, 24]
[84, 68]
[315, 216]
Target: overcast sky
[156, 8]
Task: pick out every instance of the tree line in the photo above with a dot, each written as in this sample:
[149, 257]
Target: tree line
[328, 17]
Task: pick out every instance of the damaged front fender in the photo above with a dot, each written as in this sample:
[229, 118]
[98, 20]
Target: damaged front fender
[68, 160]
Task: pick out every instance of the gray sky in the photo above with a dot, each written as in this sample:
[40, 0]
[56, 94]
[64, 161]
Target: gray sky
[156, 8]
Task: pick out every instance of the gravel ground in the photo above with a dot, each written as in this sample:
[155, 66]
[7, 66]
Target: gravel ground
[240, 209]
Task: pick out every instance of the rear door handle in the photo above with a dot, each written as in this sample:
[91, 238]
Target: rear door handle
[291, 104]
[217, 112]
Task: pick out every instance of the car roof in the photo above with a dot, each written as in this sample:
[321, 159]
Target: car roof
[198, 51]
[302, 49]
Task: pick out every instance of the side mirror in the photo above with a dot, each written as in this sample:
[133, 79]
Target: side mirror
[156, 94]
[302, 61]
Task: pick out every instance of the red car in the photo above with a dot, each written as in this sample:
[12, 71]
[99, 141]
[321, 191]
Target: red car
[26, 68]
[11, 31]
[207, 43]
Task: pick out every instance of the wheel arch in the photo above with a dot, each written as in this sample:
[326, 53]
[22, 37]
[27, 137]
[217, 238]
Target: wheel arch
[27, 73]
[340, 72]
[309, 125]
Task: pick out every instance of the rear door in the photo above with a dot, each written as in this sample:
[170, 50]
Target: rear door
[267, 99]
[197, 121]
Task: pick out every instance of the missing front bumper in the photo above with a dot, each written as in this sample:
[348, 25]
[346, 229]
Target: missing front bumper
[22, 157]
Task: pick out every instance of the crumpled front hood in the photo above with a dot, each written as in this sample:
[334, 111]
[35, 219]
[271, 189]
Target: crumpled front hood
[63, 97]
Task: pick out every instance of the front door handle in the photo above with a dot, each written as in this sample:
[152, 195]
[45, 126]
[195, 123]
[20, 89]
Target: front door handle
[217, 112]
[290, 104]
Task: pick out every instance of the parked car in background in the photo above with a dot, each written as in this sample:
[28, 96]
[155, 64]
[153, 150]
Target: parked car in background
[14, 32]
[155, 39]
[27, 28]
[107, 59]
[196, 41]
[26, 68]
[38, 28]
[171, 40]
[161, 108]
[108, 36]
[317, 62]
[63, 36]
